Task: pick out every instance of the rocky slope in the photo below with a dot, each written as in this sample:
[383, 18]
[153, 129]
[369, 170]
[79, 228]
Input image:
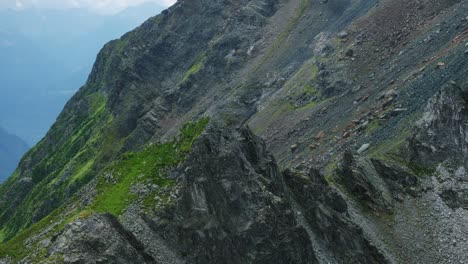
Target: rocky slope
[11, 150]
[363, 103]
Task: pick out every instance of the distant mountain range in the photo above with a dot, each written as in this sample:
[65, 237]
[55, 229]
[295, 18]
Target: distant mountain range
[11, 150]
[45, 56]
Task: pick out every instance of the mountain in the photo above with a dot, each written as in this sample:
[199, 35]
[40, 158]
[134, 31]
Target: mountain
[11, 150]
[258, 131]
[46, 55]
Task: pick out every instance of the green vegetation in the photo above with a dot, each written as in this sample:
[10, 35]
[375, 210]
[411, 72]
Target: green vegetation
[196, 67]
[314, 104]
[301, 81]
[81, 171]
[311, 90]
[330, 170]
[63, 170]
[16, 249]
[120, 44]
[150, 164]
[282, 109]
[112, 58]
[313, 71]
[390, 149]
[373, 126]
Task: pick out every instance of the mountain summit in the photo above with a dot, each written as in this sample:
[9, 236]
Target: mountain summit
[258, 131]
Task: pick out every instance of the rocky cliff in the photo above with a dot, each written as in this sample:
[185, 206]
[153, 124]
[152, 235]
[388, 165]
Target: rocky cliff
[362, 104]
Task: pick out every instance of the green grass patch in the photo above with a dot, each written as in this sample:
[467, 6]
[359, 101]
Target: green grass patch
[149, 164]
[196, 67]
[309, 89]
[16, 248]
[373, 126]
[282, 109]
[61, 172]
[330, 170]
[97, 102]
[82, 170]
[390, 149]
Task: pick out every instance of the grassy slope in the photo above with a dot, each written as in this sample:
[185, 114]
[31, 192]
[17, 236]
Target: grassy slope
[60, 173]
[148, 165]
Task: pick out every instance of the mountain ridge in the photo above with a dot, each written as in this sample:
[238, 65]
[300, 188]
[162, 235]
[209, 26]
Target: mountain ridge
[349, 95]
[44, 61]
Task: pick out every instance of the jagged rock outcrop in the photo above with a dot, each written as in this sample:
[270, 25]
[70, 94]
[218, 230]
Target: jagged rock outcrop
[233, 206]
[374, 182]
[442, 132]
[326, 214]
[439, 143]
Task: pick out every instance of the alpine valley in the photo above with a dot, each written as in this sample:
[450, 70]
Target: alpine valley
[258, 131]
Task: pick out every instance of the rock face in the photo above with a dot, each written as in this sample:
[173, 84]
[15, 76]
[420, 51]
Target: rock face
[98, 239]
[362, 104]
[375, 183]
[441, 134]
[233, 206]
[326, 214]
[232, 202]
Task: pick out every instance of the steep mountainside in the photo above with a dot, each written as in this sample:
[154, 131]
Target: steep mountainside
[363, 104]
[11, 150]
[46, 55]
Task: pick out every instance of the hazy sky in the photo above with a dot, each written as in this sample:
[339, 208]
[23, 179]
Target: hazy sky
[100, 6]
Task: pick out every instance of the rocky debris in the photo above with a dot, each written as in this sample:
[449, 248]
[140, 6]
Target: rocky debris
[349, 53]
[440, 65]
[109, 178]
[456, 198]
[424, 228]
[294, 148]
[314, 146]
[363, 148]
[342, 35]
[140, 225]
[381, 110]
[451, 185]
[6, 261]
[397, 111]
[320, 135]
